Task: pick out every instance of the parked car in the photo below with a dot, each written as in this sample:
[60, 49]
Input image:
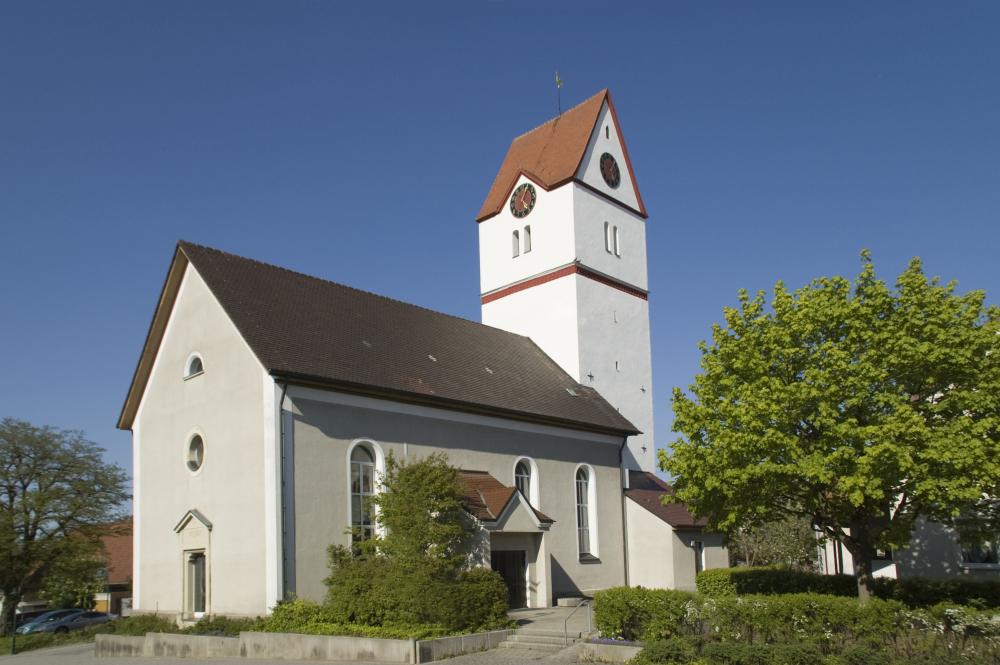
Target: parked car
[63, 621]
[22, 618]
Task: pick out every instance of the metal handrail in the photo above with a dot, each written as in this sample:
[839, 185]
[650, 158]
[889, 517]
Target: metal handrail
[590, 620]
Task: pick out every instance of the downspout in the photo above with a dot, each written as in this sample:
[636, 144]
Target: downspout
[281, 491]
[624, 483]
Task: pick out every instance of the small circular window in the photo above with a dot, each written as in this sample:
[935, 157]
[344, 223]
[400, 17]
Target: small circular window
[195, 453]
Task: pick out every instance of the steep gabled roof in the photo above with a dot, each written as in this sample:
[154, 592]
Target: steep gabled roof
[550, 154]
[310, 331]
[486, 498]
[647, 490]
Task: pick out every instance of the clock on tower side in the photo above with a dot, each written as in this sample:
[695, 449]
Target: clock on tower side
[563, 259]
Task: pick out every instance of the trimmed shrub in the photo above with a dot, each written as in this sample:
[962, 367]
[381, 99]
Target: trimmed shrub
[379, 591]
[138, 625]
[861, 655]
[307, 617]
[924, 592]
[734, 653]
[673, 651]
[830, 621]
[772, 581]
[224, 626]
[636, 613]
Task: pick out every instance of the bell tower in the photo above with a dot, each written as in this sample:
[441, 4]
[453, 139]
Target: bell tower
[562, 259]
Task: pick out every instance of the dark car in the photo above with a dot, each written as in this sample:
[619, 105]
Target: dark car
[63, 621]
[22, 618]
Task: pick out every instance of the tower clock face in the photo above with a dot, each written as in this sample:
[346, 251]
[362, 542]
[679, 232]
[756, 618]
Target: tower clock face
[609, 170]
[522, 200]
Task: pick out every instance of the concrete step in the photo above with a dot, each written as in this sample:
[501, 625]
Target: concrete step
[531, 646]
[543, 632]
[540, 639]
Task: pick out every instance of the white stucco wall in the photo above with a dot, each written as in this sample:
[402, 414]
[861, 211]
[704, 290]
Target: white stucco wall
[650, 549]
[590, 167]
[548, 314]
[225, 405]
[613, 338]
[591, 212]
[551, 223]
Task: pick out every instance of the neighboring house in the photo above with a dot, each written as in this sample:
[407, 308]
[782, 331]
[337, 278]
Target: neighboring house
[265, 401]
[667, 546]
[117, 548]
[935, 551]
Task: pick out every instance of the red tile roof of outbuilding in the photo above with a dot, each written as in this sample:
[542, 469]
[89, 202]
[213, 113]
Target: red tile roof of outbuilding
[648, 490]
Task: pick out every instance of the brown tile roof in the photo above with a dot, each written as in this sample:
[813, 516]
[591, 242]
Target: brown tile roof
[314, 332]
[485, 497]
[550, 154]
[647, 490]
[118, 553]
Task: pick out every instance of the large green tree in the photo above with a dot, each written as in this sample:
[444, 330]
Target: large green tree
[859, 406]
[57, 496]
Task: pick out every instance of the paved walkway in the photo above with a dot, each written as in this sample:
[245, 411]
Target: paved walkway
[554, 618]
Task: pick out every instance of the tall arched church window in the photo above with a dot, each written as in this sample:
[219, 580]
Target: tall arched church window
[583, 511]
[527, 239]
[362, 491]
[515, 243]
[522, 479]
[618, 246]
[607, 237]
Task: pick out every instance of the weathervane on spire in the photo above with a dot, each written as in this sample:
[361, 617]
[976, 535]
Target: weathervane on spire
[559, 83]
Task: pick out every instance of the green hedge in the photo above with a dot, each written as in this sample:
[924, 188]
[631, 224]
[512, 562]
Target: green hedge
[307, 617]
[772, 581]
[913, 591]
[635, 613]
[377, 591]
[923, 592]
[841, 629]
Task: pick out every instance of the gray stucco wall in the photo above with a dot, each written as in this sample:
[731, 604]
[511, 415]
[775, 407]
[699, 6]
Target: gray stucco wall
[935, 551]
[323, 433]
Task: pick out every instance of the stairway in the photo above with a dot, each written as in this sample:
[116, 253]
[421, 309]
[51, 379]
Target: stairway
[540, 641]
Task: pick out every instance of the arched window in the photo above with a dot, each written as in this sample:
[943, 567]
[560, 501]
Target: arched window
[618, 247]
[194, 366]
[515, 244]
[362, 490]
[607, 237]
[586, 521]
[527, 239]
[522, 479]
[195, 453]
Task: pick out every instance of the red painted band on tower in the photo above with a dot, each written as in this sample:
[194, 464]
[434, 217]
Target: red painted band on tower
[562, 272]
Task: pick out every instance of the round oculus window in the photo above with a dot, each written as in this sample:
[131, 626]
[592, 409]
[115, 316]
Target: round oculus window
[195, 453]
[522, 200]
[609, 170]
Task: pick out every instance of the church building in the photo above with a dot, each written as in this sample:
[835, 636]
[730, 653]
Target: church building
[265, 402]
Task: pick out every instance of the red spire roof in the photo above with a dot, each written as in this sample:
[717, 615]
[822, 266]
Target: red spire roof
[550, 154]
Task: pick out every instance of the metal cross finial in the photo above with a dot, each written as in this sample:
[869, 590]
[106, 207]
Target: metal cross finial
[559, 84]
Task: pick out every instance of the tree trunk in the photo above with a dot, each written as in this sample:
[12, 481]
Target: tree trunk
[10, 602]
[862, 552]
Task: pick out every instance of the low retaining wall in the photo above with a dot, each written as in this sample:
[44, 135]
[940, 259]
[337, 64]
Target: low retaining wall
[607, 653]
[324, 647]
[445, 647]
[294, 646]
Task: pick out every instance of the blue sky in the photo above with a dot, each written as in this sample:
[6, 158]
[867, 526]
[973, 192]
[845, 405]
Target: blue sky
[356, 141]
